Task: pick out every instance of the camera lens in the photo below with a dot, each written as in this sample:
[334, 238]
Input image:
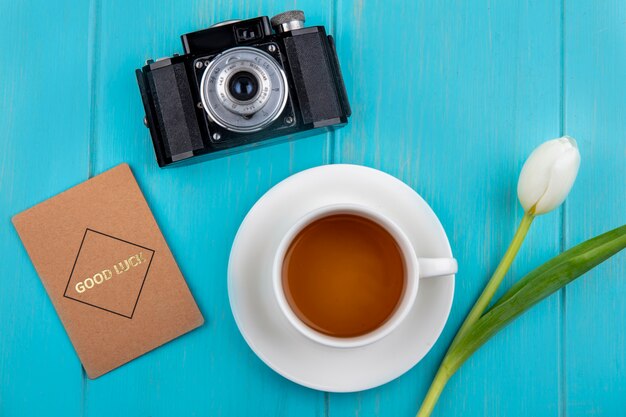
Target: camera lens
[243, 86]
[244, 89]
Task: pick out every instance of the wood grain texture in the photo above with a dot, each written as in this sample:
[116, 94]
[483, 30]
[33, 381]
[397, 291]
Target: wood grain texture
[595, 111]
[44, 126]
[451, 100]
[448, 96]
[199, 209]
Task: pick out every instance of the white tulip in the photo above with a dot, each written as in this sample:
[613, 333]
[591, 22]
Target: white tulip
[548, 175]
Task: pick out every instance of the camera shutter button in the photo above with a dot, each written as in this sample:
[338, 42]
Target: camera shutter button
[287, 21]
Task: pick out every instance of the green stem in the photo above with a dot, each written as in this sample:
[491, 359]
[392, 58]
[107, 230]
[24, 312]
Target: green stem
[436, 387]
[496, 279]
[444, 374]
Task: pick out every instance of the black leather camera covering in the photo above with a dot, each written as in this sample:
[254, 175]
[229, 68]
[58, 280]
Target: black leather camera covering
[174, 108]
[170, 90]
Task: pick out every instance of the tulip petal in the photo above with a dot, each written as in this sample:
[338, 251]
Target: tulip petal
[548, 175]
[562, 179]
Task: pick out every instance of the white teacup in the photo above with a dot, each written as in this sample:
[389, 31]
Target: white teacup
[415, 269]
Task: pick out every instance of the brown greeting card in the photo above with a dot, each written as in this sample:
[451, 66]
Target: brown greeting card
[108, 270]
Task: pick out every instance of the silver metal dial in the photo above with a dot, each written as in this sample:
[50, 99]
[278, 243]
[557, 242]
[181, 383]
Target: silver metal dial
[268, 90]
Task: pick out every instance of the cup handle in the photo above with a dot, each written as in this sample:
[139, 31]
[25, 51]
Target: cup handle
[437, 267]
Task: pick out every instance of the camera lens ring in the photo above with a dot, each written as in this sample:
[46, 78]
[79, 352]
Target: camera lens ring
[239, 97]
[248, 115]
[217, 91]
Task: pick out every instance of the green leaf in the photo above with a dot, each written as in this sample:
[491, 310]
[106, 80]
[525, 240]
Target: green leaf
[534, 287]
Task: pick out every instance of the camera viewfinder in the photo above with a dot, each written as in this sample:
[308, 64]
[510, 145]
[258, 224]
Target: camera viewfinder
[248, 33]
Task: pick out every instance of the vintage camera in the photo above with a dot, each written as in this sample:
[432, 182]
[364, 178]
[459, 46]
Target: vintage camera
[240, 84]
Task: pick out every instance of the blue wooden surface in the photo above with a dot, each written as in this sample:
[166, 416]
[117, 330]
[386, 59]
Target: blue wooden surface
[449, 96]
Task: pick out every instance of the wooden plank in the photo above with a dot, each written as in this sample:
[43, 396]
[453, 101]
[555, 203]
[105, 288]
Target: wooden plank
[44, 120]
[451, 97]
[595, 110]
[199, 208]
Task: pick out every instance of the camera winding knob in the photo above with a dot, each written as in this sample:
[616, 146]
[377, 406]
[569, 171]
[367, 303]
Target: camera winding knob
[287, 21]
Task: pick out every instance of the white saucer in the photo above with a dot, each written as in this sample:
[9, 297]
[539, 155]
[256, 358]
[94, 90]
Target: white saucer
[268, 332]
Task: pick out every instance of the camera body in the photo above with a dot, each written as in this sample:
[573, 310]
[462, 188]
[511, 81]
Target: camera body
[241, 84]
